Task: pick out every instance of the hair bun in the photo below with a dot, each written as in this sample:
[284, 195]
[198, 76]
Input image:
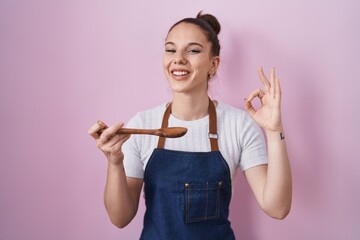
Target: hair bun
[211, 20]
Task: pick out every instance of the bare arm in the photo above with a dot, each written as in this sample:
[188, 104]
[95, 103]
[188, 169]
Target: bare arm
[272, 183]
[122, 193]
[121, 196]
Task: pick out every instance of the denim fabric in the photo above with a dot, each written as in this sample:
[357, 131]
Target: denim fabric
[187, 196]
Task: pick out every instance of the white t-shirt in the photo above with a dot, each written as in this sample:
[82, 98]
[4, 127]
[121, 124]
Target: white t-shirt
[240, 139]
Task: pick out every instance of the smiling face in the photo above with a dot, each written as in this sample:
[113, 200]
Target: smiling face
[187, 60]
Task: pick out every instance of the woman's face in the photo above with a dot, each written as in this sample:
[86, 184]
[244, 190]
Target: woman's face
[187, 59]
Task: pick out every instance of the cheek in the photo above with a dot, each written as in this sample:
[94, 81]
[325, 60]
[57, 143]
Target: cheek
[204, 66]
[166, 61]
[165, 66]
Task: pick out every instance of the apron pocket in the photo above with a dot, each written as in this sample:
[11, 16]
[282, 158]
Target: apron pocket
[202, 201]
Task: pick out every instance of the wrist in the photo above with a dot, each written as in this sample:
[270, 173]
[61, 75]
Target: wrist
[278, 135]
[116, 164]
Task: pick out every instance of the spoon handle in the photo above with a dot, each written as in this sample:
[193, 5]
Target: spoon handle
[131, 131]
[136, 131]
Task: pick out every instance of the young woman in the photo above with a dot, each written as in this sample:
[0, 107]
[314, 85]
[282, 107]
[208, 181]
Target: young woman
[188, 180]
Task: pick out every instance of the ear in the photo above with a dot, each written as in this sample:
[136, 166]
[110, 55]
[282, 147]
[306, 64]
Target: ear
[215, 61]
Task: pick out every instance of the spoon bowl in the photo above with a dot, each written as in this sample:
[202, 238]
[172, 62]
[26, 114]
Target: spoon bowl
[171, 132]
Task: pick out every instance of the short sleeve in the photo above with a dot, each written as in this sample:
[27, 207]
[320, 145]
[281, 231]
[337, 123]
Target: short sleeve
[253, 144]
[132, 154]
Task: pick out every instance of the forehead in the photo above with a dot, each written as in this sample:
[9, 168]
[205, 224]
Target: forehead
[187, 32]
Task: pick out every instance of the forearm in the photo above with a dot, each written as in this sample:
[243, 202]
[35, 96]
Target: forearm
[118, 201]
[278, 187]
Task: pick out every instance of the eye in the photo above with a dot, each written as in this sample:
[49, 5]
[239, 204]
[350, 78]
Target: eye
[194, 51]
[170, 50]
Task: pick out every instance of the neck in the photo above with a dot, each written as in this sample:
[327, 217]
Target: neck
[190, 107]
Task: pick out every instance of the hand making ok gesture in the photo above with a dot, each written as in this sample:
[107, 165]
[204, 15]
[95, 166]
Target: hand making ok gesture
[268, 116]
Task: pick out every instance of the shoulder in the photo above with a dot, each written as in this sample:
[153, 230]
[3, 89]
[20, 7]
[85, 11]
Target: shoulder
[234, 119]
[158, 110]
[225, 111]
[147, 118]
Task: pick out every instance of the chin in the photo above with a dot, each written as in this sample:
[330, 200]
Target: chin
[178, 90]
[177, 86]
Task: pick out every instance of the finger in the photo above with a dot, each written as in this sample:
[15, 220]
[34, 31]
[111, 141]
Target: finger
[114, 145]
[272, 74]
[277, 89]
[93, 130]
[257, 93]
[263, 79]
[116, 139]
[110, 132]
[102, 129]
[272, 82]
[248, 105]
[119, 144]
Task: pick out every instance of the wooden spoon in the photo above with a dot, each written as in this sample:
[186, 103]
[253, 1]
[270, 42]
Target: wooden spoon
[171, 132]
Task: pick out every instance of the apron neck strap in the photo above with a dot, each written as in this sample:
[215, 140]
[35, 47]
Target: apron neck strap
[165, 121]
[212, 126]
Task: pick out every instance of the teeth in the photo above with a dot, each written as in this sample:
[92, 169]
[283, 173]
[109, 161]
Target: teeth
[180, 73]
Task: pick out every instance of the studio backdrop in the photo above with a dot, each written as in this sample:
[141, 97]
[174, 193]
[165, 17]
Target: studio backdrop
[66, 64]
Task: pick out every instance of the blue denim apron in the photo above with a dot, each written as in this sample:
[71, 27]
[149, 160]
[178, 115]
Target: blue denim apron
[187, 194]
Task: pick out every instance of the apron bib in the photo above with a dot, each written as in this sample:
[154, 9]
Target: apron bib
[187, 194]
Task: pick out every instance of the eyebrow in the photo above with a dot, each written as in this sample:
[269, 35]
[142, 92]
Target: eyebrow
[190, 44]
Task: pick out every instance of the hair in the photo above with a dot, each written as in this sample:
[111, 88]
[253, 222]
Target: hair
[209, 25]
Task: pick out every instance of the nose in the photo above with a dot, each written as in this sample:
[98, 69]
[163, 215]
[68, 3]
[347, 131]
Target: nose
[179, 58]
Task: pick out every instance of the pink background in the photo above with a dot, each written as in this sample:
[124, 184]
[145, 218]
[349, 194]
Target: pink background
[65, 64]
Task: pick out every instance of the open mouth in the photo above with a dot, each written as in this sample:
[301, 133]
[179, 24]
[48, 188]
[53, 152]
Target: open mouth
[180, 73]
